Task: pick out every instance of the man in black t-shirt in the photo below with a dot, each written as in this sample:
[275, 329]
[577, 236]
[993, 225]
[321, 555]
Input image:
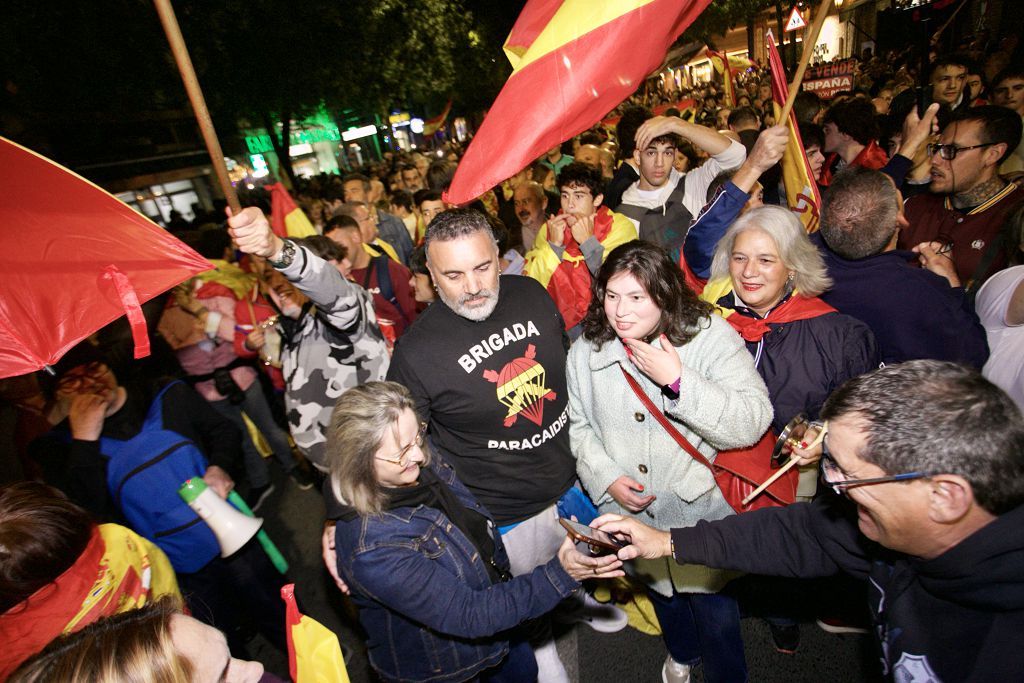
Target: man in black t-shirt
[486, 367]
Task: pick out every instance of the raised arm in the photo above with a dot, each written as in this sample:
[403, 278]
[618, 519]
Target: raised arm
[335, 297]
[726, 206]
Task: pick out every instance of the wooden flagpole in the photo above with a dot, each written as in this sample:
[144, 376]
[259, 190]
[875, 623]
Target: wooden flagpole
[805, 57]
[195, 96]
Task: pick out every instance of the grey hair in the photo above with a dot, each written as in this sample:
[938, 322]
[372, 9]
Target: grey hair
[938, 418]
[860, 213]
[454, 224]
[359, 424]
[535, 188]
[810, 276]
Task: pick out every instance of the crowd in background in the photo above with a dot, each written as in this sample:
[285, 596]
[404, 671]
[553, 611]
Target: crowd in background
[669, 233]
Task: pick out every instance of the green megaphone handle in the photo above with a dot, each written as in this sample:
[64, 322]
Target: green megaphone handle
[269, 548]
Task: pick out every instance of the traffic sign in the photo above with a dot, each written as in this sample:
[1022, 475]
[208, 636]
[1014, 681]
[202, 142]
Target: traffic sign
[796, 21]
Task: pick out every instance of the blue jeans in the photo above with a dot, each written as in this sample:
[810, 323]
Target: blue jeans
[703, 627]
[518, 667]
[256, 407]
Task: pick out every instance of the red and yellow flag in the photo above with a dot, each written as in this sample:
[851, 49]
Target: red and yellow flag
[314, 653]
[287, 219]
[720, 62]
[431, 126]
[802, 193]
[573, 62]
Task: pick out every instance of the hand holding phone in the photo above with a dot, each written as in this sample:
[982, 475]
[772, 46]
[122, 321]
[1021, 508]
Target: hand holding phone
[599, 541]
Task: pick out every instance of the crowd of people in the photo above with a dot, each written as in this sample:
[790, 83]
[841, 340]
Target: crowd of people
[582, 342]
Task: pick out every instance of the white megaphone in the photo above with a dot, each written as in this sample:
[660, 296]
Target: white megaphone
[232, 528]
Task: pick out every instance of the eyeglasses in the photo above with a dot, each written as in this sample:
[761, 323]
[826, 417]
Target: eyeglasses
[402, 459]
[833, 475]
[949, 152]
[82, 376]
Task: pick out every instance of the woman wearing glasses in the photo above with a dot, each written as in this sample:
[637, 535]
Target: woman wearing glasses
[423, 559]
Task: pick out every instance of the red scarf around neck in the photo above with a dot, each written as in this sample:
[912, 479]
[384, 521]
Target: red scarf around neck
[797, 307]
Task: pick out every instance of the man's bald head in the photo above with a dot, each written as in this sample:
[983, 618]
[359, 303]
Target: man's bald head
[589, 155]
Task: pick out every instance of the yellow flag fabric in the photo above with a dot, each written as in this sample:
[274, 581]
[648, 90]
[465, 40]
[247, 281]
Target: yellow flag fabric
[802, 193]
[229, 275]
[314, 653]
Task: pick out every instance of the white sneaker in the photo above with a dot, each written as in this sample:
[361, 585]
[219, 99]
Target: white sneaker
[603, 618]
[674, 672]
[549, 666]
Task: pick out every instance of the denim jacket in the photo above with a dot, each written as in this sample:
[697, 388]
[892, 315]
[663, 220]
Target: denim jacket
[425, 599]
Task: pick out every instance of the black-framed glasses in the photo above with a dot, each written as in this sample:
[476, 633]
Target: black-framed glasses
[833, 475]
[82, 376]
[949, 152]
[402, 459]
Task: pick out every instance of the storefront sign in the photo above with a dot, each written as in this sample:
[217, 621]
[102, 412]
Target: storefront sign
[260, 144]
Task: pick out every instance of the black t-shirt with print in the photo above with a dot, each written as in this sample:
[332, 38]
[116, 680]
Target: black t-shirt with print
[495, 396]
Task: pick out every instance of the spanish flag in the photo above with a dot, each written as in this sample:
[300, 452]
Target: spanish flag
[314, 653]
[802, 193]
[727, 65]
[573, 62]
[721, 63]
[431, 126]
[287, 219]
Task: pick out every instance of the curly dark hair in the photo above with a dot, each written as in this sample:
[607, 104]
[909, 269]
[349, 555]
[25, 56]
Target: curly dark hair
[683, 315]
[578, 174]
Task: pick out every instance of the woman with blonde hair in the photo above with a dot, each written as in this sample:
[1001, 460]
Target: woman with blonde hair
[153, 644]
[423, 559]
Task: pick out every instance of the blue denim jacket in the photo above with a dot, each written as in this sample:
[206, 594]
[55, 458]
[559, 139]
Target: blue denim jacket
[425, 599]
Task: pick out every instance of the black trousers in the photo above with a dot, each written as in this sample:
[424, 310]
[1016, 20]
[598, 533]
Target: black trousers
[237, 593]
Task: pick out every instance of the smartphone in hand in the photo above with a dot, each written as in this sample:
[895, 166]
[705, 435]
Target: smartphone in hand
[599, 541]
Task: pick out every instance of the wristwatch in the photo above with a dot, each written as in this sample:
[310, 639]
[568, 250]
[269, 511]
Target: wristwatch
[286, 256]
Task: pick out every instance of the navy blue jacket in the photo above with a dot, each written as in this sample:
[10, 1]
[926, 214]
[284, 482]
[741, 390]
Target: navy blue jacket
[803, 361]
[956, 617]
[425, 598]
[913, 312]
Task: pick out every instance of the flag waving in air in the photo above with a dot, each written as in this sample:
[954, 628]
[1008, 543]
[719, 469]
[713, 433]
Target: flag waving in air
[287, 219]
[802, 193]
[727, 66]
[74, 259]
[431, 126]
[573, 61]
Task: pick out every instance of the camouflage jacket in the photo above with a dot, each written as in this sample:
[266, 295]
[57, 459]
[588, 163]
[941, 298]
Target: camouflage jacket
[331, 348]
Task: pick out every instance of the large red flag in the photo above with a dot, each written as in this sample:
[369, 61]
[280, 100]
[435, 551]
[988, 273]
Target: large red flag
[73, 259]
[802, 193]
[573, 61]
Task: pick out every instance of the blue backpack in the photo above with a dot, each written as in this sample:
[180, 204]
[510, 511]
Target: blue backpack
[144, 474]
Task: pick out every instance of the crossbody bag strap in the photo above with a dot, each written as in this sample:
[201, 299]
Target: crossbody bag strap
[663, 421]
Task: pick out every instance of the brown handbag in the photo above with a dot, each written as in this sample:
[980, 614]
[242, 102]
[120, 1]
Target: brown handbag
[737, 471]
